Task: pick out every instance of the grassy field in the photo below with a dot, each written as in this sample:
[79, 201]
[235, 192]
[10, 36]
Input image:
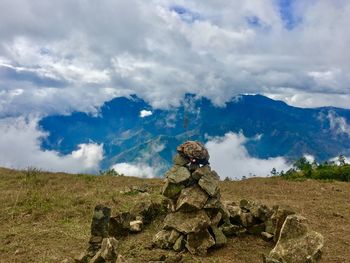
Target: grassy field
[45, 217]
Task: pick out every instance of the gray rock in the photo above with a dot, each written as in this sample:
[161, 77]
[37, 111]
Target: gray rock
[213, 202]
[121, 259]
[119, 225]
[297, 243]
[161, 239]
[278, 217]
[148, 210]
[201, 171]
[108, 251]
[171, 190]
[179, 243]
[178, 174]
[191, 198]
[100, 221]
[232, 230]
[187, 222]
[247, 219]
[220, 238]
[174, 235]
[199, 243]
[210, 183]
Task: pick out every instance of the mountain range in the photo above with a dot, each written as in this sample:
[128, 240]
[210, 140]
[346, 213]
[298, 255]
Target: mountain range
[132, 131]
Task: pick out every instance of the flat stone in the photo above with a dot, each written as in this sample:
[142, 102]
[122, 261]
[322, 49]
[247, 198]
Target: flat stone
[187, 222]
[297, 243]
[191, 198]
[199, 243]
[178, 174]
[210, 183]
[172, 190]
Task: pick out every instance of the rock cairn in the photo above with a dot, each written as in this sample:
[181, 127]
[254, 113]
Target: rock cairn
[192, 188]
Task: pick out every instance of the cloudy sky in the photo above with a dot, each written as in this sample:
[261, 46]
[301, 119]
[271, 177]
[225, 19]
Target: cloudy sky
[59, 56]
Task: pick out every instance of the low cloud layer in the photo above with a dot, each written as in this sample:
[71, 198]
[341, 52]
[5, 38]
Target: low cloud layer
[61, 56]
[20, 149]
[230, 158]
[138, 170]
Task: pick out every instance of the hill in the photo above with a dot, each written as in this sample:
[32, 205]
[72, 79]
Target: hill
[46, 216]
[274, 128]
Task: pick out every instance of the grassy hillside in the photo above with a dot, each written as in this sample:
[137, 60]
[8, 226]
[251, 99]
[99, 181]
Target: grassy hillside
[45, 217]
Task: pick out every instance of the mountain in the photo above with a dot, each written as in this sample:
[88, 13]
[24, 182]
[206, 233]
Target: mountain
[278, 129]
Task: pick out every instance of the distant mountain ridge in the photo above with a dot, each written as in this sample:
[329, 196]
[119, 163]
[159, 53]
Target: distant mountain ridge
[282, 130]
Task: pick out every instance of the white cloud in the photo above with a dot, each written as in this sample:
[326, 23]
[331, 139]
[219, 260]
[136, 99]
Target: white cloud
[230, 158]
[338, 124]
[138, 169]
[20, 148]
[145, 113]
[78, 60]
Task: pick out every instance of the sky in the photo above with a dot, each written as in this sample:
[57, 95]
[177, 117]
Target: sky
[61, 56]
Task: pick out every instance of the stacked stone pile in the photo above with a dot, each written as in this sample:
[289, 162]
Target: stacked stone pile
[196, 211]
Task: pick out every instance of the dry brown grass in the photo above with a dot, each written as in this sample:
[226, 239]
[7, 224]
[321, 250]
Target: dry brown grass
[46, 216]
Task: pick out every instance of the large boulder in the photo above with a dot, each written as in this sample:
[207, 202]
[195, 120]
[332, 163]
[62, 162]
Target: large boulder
[274, 224]
[178, 174]
[187, 222]
[191, 198]
[296, 243]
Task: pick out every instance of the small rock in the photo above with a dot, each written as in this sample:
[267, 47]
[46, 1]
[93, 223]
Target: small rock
[200, 172]
[230, 230]
[266, 236]
[136, 226]
[199, 243]
[220, 238]
[179, 244]
[174, 235]
[172, 190]
[120, 224]
[161, 239]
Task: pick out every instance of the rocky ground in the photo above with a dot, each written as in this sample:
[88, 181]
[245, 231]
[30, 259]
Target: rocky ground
[46, 217]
